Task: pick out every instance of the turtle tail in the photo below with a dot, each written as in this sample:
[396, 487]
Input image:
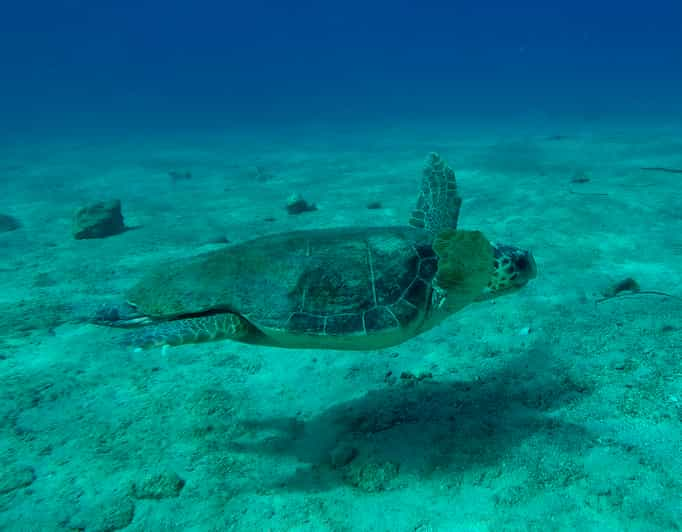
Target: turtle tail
[189, 331]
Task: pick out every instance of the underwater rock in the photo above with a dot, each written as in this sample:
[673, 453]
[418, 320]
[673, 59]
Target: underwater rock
[297, 205]
[624, 285]
[8, 223]
[159, 486]
[180, 176]
[580, 176]
[217, 239]
[259, 174]
[98, 220]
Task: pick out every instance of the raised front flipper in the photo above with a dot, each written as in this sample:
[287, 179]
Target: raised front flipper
[438, 203]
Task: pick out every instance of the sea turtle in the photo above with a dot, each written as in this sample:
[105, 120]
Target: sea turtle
[338, 288]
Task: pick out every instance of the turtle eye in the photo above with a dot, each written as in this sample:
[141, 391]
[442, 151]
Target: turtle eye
[522, 263]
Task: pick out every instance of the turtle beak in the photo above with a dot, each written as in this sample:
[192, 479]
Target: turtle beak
[524, 264]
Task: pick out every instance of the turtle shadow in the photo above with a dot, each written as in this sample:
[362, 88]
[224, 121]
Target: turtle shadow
[129, 228]
[420, 428]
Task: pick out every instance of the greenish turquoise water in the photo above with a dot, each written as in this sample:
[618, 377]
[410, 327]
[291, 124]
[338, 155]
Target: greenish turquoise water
[553, 408]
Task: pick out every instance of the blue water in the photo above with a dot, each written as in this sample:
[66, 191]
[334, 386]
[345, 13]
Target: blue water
[207, 63]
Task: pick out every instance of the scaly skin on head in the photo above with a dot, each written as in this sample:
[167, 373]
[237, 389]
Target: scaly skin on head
[513, 268]
[470, 268]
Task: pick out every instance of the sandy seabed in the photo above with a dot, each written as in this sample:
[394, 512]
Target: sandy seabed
[543, 410]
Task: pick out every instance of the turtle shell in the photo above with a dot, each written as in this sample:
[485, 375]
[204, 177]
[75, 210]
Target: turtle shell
[346, 281]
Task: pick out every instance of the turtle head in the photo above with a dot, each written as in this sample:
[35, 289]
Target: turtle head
[512, 269]
[470, 268]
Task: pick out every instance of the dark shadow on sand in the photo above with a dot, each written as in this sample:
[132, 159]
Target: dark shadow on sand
[427, 427]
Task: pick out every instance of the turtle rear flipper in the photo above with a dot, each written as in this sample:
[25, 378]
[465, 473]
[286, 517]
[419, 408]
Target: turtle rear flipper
[225, 326]
[438, 203]
[104, 312]
[118, 315]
